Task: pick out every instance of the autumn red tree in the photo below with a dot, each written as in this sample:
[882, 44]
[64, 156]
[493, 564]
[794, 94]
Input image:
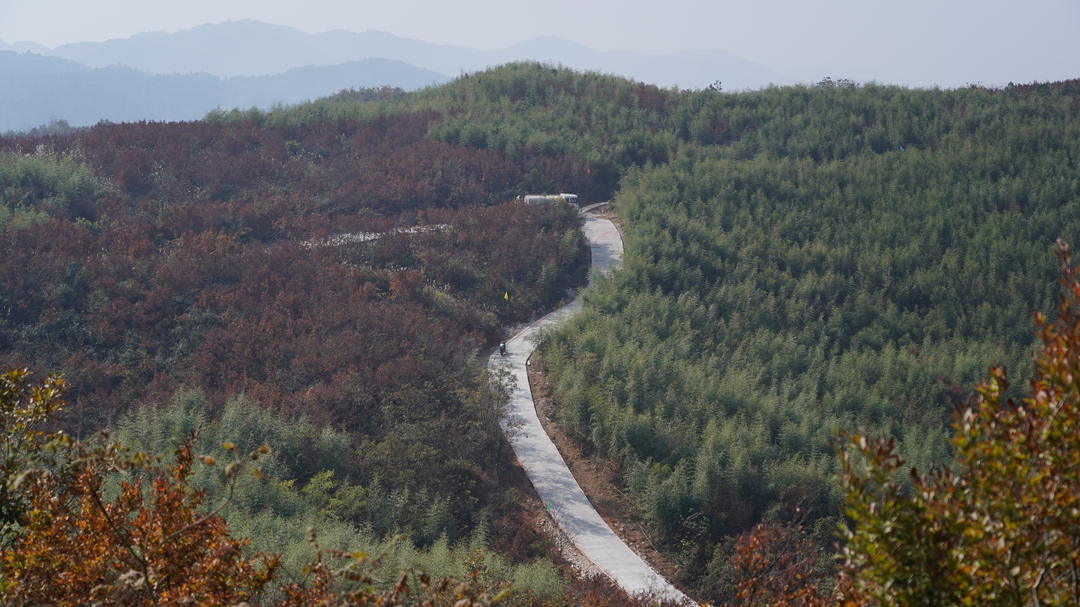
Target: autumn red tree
[25, 409]
[1001, 526]
[151, 540]
[776, 565]
[152, 544]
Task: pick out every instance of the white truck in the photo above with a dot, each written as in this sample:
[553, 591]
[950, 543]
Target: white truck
[570, 199]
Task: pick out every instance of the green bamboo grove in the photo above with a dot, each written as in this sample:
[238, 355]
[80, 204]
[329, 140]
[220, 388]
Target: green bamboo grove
[799, 260]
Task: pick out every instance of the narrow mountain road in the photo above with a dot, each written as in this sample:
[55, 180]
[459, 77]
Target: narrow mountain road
[556, 486]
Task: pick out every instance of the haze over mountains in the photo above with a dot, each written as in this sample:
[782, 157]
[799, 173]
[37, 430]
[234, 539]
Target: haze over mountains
[23, 47]
[182, 75]
[41, 89]
[245, 48]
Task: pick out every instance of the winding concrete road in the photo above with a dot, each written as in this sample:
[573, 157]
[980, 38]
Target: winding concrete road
[560, 492]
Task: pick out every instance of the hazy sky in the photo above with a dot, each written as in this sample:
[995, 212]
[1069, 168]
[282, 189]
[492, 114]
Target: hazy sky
[916, 42]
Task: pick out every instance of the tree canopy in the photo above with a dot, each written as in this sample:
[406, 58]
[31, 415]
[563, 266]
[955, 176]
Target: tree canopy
[799, 260]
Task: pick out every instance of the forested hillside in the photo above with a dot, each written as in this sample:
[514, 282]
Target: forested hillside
[799, 261]
[197, 264]
[527, 108]
[856, 259]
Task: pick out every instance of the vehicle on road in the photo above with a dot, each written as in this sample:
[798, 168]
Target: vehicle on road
[570, 199]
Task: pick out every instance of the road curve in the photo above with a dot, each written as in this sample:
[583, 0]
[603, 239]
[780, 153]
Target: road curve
[556, 486]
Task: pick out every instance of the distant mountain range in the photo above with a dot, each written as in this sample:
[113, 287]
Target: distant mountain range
[182, 75]
[247, 48]
[38, 89]
[23, 47]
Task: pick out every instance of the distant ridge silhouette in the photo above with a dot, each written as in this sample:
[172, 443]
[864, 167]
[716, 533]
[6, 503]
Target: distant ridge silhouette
[38, 89]
[246, 48]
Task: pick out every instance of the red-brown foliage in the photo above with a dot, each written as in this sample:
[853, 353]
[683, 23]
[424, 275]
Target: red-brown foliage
[776, 566]
[150, 545]
[329, 168]
[1001, 526]
[206, 263]
[195, 269]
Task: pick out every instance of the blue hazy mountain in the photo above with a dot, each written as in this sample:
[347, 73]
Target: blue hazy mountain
[38, 89]
[22, 47]
[252, 48]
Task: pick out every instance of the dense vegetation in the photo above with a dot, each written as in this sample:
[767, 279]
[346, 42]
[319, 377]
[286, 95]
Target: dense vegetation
[721, 396]
[799, 260]
[94, 520]
[310, 490]
[206, 251]
[204, 265]
[529, 109]
[999, 525]
[857, 260]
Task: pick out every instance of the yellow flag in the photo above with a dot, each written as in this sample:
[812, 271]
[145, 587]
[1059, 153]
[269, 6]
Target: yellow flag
[506, 295]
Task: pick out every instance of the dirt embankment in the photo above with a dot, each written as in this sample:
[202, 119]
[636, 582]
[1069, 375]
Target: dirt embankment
[599, 478]
[523, 529]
